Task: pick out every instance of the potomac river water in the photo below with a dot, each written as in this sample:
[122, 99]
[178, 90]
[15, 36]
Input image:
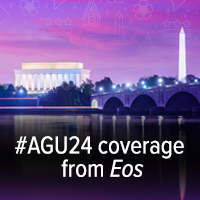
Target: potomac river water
[39, 177]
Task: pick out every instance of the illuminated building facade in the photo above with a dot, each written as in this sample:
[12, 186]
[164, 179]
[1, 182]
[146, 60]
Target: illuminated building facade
[40, 77]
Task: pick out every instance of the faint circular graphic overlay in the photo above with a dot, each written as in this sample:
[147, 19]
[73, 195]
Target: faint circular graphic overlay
[93, 43]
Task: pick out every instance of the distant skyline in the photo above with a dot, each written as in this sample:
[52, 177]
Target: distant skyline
[146, 43]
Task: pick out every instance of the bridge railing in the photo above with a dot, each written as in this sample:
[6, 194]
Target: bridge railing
[148, 88]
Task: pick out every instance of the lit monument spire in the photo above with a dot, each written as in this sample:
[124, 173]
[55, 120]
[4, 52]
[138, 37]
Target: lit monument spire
[182, 56]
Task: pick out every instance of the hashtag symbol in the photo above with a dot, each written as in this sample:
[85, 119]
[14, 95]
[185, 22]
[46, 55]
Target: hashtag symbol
[21, 142]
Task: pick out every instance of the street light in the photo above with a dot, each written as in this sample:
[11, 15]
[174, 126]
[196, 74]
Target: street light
[196, 80]
[128, 85]
[144, 86]
[176, 82]
[114, 86]
[160, 81]
[21, 91]
[143, 82]
[101, 89]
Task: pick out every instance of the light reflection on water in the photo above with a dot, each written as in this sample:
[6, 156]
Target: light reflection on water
[182, 158]
[108, 128]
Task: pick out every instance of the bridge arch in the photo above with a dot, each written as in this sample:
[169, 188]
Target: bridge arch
[94, 103]
[181, 102]
[141, 104]
[112, 104]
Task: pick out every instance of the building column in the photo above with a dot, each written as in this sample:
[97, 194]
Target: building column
[37, 82]
[50, 81]
[57, 80]
[71, 78]
[63, 78]
[21, 80]
[68, 78]
[41, 82]
[78, 80]
[33, 82]
[24, 80]
[45, 81]
[29, 82]
[74, 79]
[16, 80]
[60, 79]
[53, 81]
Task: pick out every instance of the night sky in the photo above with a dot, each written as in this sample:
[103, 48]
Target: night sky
[47, 30]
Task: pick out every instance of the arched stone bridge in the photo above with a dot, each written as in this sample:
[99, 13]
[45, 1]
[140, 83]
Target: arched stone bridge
[172, 98]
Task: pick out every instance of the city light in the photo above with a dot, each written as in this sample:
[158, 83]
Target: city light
[144, 86]
[160, 80]
[101, 89]
[128, 85]
[196, 80]
[114, 86]
[143, 82]
[21, 91]
[176, 82]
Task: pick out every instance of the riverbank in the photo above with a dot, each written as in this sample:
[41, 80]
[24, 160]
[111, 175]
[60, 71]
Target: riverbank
[49, 110]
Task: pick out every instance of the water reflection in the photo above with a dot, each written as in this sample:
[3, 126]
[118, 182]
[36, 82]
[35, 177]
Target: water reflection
[128, 118]
[182, 157]
[114, 118]
[101, 121]
[99, 127]
[38, 125]
[160, 119]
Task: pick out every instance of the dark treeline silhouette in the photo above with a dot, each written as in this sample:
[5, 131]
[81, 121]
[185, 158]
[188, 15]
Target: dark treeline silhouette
[9, 91]
[151, 81]
[68, 94]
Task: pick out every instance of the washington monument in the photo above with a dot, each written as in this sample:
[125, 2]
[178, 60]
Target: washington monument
[182, 57]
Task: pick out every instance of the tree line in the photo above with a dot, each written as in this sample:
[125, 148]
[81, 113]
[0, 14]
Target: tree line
[151, 81]
[68, 94]
[9, 91]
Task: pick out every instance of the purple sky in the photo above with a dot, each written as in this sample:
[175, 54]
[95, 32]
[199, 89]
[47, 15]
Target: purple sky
[23, 38]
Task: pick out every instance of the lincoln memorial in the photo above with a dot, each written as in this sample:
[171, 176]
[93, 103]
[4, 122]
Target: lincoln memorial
[41, 77]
